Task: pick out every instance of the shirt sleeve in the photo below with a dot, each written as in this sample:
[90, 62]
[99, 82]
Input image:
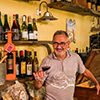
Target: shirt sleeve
[81, 67]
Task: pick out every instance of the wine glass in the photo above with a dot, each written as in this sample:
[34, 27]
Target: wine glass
[46, 66]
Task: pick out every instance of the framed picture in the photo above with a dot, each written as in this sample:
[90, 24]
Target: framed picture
[71, 28]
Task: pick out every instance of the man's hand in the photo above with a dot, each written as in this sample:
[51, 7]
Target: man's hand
[98, 88]
[39, 75]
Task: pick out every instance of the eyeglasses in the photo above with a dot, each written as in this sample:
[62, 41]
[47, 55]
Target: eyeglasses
[62, 44]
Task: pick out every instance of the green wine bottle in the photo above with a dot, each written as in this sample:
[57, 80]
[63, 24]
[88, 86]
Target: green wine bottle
[24, 30]
[30, 29]
[6, 26]
[1, 28]
[17, 21]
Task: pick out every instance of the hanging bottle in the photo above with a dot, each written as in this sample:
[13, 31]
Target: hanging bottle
[24, 30]
[17, 21]
[1, 28]
[14, 28]
[6, 26]
[28, 65]
[30, 29]
[35, 31]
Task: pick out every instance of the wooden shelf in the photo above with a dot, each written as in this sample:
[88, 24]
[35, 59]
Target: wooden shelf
[44, 43]
[66, 6]
[28, 42]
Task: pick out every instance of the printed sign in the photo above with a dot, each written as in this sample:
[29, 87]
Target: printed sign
[9, 48]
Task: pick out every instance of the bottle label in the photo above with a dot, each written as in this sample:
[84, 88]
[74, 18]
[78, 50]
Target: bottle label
[35, 34]
[23, 96]
[10, 64]
[31, 36]
[25, 34]
[23, 67]
[17, 69]
[16, 35]
[29, 69]
[36, 67]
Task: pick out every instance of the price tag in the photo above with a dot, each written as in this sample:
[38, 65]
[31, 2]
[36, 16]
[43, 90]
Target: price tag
[9, 48]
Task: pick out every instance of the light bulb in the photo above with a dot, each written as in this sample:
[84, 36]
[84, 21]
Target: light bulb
[47, 20]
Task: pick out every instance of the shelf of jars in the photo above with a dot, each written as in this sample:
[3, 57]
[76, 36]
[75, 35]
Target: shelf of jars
[71, 7]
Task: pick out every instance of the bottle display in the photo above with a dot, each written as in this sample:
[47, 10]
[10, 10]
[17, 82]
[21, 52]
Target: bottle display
[35, 63]
[28, 65]
[24, 30]
[1, 28]
[14, 28]
[6, 26]
[10, 63]
[35, 31]
[22, 65]
[17, 64]
[30, 29]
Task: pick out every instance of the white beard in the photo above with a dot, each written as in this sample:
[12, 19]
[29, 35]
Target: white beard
[60, 55]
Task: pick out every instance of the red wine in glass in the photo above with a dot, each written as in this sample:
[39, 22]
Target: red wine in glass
[45, 68]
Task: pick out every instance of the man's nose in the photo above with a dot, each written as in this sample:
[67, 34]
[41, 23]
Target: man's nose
[59, 46]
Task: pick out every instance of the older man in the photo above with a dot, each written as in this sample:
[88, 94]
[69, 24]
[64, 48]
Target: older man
[60, 78]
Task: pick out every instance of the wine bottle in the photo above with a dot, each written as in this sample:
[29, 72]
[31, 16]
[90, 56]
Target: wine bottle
[25, 53]
[28, 65]
[30, 29]
[17, 18]
[31, 55]
[22, 66]
[89, 4]
[6, 26]
[24, 30]
[17, 64]
[14, 28]
[93, 6]
[0, 53]
[35, 31]
[98, 5]
[35, 63]
[1, 28]
[76, 51]
[10, 65]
